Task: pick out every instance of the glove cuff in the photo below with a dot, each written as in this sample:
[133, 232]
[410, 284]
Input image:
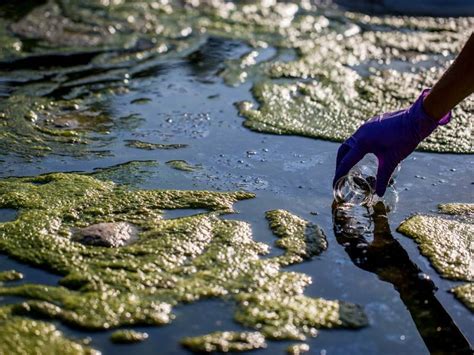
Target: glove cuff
[421, 110]
[424, 122]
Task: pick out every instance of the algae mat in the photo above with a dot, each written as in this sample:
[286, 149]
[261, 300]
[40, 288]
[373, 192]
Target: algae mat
[173, 261]
[345, 68]
[448, 241]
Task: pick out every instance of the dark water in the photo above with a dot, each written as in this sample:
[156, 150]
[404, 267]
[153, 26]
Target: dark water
[407, 7]
[191, 105]
[7, 214]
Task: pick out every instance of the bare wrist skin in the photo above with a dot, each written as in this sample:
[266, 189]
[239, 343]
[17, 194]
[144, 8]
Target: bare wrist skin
[455, 85]
[433, 110]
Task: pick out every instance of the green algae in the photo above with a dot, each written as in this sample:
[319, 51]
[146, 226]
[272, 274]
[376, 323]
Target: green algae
[128, 336]
[131, 173]
[20, 134]
[300, 239]
[317, 110]
[349, 84]
[133, 143]
[297, 349]
[238, 71]
[446, 241]
[10, 275]
[465, 293]
[20, 335]
[36, 127]
[111, 43]
[182, 165]
[280, 316]
[457, 208]
[173, 261]
[225, 342]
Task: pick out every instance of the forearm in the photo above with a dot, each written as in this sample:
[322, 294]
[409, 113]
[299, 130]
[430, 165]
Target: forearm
[455, 85]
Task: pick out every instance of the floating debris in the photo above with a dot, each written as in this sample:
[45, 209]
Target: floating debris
[297, 349]
[127, 336]
[225, 342]
[152, 146]
[457, 208]
[182, 165]
[465, 293]
[131, 173]
[10, 275]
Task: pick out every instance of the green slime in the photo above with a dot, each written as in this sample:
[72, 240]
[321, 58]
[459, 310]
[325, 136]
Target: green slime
[182, 165]
[465, 293]
[152, 146]
[336, 81]
[10, 275]
[127, 336]
[174, 260]
[225, 342]
[297, 349]
[20, 335]
[299, 238]
[447, 240]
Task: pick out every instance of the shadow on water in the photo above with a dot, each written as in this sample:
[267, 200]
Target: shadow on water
[386, 258]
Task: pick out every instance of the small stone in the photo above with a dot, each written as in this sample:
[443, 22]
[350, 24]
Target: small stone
[110, 235]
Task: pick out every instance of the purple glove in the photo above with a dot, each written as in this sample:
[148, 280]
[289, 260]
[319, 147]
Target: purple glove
[391, 137]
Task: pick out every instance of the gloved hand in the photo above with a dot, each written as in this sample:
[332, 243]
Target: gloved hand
[391, 137]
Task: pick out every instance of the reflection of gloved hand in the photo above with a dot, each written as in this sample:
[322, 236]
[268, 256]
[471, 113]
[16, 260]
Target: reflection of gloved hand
[391, 137]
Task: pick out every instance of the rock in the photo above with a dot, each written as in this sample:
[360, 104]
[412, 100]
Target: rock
[110, 235]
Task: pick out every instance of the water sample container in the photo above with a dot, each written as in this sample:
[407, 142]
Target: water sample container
[358, 186]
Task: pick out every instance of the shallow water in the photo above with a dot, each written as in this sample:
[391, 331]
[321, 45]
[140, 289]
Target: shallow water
[188, 103]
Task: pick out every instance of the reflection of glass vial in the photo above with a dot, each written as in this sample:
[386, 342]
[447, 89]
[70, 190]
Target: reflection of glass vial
[358, 186]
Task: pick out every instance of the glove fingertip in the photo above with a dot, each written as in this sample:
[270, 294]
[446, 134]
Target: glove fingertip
[380, 189]
[383, 176]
